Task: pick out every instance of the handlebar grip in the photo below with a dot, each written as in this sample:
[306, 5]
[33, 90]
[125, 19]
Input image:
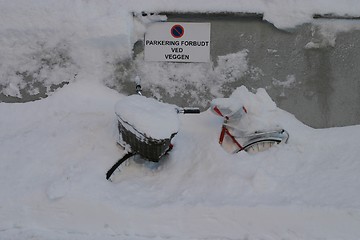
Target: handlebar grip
[191, 110]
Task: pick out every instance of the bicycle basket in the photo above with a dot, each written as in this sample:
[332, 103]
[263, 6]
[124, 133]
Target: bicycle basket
[146, 125]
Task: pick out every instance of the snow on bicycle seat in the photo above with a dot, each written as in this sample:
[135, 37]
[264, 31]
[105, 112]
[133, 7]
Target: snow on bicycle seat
[227, 108]
[148, 116]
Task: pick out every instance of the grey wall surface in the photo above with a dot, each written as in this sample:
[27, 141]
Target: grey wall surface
[304, 72]
[319, 85]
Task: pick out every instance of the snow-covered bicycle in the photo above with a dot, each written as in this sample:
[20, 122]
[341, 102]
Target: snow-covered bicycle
[146, 127]
[233, 139]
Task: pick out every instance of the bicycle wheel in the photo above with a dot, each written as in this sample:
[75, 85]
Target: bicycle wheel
[261, 145]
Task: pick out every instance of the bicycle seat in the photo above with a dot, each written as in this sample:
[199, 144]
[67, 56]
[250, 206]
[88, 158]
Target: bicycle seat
[227, 108]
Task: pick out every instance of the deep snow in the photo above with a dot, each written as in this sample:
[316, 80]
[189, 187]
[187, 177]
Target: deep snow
[55, 152]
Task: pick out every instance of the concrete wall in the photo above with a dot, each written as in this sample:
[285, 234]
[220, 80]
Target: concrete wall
[305, 72]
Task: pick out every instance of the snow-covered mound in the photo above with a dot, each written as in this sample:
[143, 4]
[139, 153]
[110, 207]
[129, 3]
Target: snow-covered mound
[55, 153]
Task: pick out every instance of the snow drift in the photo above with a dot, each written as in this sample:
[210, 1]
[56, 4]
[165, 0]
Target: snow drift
[54, 163]
[55, 152]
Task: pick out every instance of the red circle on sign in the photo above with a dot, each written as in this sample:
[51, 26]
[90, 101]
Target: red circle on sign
[177, 31]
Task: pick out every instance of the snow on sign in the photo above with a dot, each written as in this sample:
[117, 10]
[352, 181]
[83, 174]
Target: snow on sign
[178, 42]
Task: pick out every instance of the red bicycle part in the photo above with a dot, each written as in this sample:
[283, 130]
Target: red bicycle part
[224, 131]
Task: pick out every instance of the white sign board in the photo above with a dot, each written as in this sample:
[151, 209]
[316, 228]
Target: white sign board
[178, 42]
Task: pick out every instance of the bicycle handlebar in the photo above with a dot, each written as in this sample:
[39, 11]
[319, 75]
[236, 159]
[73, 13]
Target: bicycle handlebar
[188, 110]
[185, 110]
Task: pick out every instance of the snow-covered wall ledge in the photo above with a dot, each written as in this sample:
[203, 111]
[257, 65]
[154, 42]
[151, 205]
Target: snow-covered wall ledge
[281, 13]
[74, 13]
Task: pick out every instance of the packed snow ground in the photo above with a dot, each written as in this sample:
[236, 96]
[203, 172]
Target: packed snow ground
[54, 152]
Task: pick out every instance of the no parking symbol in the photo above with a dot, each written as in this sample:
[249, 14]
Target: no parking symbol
[177, 31]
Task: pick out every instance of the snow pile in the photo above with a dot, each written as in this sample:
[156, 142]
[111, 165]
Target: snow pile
[54, 163]
[260, 110]
[46, 44]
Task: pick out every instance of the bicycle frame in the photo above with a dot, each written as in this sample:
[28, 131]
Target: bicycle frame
[225, 131]
[257, 141]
